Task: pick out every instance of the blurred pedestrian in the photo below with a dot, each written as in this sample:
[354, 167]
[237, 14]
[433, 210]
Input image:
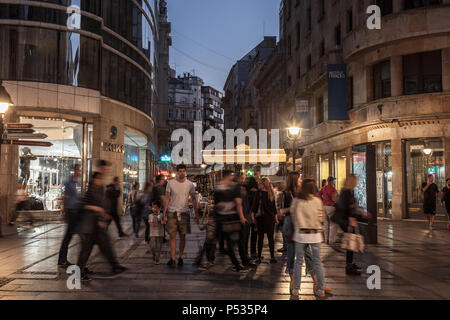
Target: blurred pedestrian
[307, 215]
[209, 246]
[132, 204]
[177, 212]
[245, 231]
[159, 194]
[252, 190]
[113, 193]
[265, 211]
[229, 214]
[20, 203]
[430, 191]
[328, 194]
[445, 200]
[156, 230]
[346, 216]
[281, 187]
[72, 200]
[144, 206]
[93, 227]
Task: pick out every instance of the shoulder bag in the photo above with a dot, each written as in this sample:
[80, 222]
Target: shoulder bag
[353, 241]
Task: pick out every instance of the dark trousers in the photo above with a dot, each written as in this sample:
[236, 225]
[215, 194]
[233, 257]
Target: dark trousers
[147, 228]
[101, 238]
[136, 223]
[72, 222]
[266, 226]
[253, 239]
[116, 220]
[243, 244]
[230, 238]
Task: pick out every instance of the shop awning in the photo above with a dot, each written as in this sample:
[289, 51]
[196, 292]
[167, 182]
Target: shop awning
[243, 154]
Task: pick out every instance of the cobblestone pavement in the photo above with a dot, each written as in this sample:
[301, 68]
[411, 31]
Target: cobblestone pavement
[414, 264]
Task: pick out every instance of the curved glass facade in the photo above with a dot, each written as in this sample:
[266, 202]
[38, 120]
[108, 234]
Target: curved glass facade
[31, 53]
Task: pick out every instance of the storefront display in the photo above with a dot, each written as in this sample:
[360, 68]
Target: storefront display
[423, 157]
[340, 169]
[359, 170]
[384, 179]
[135, 160]
[324, 168]
[44, 170]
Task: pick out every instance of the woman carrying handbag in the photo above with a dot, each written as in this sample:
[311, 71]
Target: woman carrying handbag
[346, 216]
[307, 217]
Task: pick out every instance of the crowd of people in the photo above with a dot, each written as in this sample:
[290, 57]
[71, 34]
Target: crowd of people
[242, 212]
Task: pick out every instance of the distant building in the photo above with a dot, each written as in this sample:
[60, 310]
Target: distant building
[213, 113]
[237, 78]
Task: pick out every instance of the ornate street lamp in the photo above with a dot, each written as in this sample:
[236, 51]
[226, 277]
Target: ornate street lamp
[294, 134]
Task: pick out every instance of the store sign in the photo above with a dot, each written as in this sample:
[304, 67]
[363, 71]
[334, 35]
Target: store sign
[112, 147]
[337, 92]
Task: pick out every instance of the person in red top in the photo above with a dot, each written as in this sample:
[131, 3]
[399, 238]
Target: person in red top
[328, 194]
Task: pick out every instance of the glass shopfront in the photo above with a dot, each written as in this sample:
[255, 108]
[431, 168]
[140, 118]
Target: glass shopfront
[44, 170]
[324, 169]
[135, 160]
[340, 169]
[423, 157]
[359, 170]
[384, 179]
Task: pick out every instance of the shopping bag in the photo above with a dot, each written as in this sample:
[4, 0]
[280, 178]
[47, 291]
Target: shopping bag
[353, 241]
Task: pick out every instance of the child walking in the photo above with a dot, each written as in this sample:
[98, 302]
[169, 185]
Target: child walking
[156, 230]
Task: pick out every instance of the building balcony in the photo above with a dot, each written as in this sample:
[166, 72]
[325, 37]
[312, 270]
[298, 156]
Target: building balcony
[209, 106]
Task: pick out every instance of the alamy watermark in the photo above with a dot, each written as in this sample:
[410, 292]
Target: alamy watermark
[74, 279]
[374, 281]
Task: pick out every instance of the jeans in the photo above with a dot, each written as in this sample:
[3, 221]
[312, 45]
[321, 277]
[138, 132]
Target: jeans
[155, 246]
[147, 228]
[231, 239]
[253, 239]
[136, 224]
[72, 223]
[116, 219]
[209, 246]
[101, 238]
[317, 264]
[243, 244]
[329, 227]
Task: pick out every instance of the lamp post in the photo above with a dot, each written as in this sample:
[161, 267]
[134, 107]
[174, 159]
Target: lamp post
[294, 133]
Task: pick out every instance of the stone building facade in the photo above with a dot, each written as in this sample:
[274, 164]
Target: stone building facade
[85, 74]
[397, 101]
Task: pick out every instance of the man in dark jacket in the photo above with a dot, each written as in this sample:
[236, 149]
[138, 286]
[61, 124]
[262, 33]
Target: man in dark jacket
[112, 197]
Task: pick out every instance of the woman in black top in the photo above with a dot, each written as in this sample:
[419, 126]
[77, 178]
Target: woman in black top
[346, 216]
[265, 213]
[252, 190]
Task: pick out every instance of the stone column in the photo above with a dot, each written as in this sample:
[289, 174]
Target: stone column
[447, 155]
[446, 69]
[9, 162]
[396, 76]
[398, 205]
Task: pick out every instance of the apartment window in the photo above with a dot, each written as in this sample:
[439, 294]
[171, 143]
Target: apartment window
[183, 114]
[289, 9]
[322, 48]
[309, 19]
[349, 20]
[422, 72]
[308, 62]
[297, 28]
[322, 9]
[320, 111]
[412, 4]
[382, 80]
[297, 2]
[337, 35]
[386, 7]
[298, 72]
[170, 114]
[350, 92]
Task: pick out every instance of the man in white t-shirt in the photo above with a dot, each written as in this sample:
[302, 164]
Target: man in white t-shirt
[176, 212]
